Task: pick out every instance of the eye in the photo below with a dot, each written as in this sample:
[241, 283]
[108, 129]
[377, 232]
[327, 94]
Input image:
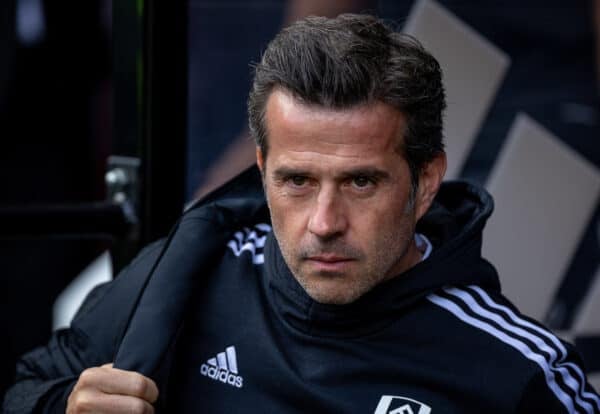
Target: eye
[297, 180]
[297, 185]
[362, 181]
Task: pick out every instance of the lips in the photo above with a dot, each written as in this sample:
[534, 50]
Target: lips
[328, 258]
[329, 264]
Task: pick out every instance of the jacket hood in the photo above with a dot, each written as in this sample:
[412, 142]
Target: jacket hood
[454, 224]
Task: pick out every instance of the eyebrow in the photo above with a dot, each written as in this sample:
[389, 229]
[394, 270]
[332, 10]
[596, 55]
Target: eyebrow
[367, 172]
[283, 172]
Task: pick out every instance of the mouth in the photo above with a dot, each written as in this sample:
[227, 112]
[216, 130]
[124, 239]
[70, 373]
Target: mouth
[329, 263]
[329, 258]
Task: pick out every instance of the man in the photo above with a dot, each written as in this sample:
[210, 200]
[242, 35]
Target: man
[366, 296]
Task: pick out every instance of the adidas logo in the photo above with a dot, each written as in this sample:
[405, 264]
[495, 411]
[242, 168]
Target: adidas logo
[223, 368]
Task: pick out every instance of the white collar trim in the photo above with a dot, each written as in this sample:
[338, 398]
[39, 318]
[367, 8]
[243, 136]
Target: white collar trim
[424, 245]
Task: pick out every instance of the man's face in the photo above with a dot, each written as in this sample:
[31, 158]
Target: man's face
[339, 194]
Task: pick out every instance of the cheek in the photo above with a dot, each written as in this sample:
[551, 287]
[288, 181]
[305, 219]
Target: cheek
[388, 208]
[286, 216]
[381, 220]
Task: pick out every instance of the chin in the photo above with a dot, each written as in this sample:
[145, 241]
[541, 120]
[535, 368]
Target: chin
[332, 296]
[332, 288]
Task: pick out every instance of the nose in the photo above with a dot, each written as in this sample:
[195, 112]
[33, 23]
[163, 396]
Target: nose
[328, 219]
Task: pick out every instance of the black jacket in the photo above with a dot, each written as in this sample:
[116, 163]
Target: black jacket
[214, 316]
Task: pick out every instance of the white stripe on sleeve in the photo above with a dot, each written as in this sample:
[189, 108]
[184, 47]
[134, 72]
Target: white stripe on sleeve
[453, 308]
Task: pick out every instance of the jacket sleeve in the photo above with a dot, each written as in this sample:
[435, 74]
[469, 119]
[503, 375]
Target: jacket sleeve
[45, 376]
[562, 389]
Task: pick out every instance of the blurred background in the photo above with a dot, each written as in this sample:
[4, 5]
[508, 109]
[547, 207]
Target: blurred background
[115, 115]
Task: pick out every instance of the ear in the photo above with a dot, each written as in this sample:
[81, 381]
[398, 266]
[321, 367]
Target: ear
[430, 180]
[260, 160]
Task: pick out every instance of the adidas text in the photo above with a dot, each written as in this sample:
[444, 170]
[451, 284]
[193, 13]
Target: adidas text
[220, 374]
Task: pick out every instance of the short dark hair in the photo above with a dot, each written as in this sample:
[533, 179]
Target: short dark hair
[351, 60]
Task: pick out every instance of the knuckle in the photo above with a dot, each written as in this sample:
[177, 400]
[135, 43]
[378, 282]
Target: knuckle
[138, 407]
[86, 378]
[84, 403]
[139, 385]
[79, 403]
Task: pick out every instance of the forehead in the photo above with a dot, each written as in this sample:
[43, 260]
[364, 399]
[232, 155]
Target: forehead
[374, 128]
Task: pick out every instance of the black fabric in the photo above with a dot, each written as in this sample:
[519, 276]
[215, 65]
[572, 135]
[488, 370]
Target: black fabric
[189, 299]
[589, 345]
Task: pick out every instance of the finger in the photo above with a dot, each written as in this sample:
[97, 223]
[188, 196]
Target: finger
[133, 384]
[118, 381]
[98, 402]
[114, 403]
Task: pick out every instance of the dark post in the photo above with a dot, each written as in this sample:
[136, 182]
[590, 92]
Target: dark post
[164, 120]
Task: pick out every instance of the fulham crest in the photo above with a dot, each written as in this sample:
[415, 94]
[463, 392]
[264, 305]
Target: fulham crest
[390, 404]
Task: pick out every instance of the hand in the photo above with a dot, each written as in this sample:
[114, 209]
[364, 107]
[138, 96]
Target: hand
[110, 390]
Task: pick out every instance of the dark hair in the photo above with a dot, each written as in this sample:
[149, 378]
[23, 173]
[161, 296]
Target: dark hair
[351, 60]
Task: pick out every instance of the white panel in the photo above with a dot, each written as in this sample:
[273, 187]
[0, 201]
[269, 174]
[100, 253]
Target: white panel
[566, 336]
[68, 302]
[545, 194]
[594, 380]
[587, 320]
[473, 69]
